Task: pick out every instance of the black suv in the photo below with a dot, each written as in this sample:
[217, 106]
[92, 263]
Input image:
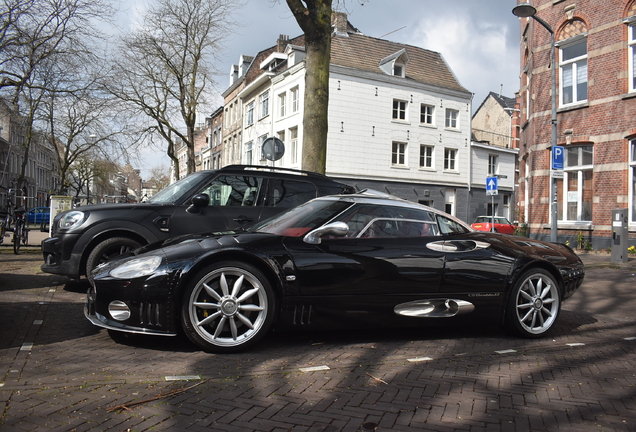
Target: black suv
[216, 200]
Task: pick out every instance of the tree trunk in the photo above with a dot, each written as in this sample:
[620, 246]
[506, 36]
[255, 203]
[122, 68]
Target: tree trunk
[315, 21]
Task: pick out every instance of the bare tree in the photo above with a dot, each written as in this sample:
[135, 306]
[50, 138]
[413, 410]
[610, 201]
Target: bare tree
[36, 37]
[164, 69]
[314, 18]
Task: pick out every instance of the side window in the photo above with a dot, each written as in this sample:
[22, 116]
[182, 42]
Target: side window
[289, 193]
[449, 226]
[239, 191]
[373, 221]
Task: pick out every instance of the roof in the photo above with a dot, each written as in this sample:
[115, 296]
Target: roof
[358, 51]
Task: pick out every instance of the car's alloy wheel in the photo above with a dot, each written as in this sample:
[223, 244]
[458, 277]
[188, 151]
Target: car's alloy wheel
[228, 307]
[109, 249]
[534, 304]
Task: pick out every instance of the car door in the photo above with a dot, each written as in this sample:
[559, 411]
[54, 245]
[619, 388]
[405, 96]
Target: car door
[471, 266]
[384, 253]
[236, 200]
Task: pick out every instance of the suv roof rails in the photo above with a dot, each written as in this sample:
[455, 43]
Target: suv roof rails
[273, 169]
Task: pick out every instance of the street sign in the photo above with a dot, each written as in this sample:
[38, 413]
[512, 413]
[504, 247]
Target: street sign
[492, 186]
[557, 157]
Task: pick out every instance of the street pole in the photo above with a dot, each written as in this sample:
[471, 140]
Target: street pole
[526, 10]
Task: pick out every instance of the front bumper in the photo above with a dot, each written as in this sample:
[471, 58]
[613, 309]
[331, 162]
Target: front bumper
[149, 301]
[59, 258]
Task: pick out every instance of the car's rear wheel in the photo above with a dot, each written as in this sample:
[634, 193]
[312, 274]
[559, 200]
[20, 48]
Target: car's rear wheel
[108, 250]
[534, 304]
[228, 307]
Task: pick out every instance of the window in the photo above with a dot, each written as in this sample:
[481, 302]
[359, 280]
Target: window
[248, 153]
[450, 156]
[290, 193]
[426, 114]
[426, 156]
[264, 102]
[293, 145]
[573, 68]
[235, 191]
[398, 155]
[261, 140]
[398, 70]
[631, 41]
[294, 99]
[493, 165]
[449, 202]
[281, 104]
[574, 191]
[632, 173]
[250, 113]
[451, 118]
[399, 110]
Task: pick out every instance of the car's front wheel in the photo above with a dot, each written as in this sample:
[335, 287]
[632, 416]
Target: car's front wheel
[228, 307]
[534, 304]
[109, 249]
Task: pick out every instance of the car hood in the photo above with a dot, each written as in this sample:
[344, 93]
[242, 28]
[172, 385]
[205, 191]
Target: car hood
[206, 241]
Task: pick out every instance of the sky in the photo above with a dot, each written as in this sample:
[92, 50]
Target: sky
[479, 39]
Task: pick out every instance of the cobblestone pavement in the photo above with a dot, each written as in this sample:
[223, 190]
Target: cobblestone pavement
[60, 373]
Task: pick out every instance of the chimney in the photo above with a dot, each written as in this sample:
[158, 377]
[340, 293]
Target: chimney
[339, 23]
[282, 42]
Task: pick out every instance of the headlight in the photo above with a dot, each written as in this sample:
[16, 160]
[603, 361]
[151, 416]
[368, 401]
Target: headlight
[137, 267]
[72, 219]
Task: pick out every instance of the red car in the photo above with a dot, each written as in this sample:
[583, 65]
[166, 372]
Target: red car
[502, 225]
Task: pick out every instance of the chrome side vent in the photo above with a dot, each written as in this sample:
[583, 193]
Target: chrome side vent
[434, 308]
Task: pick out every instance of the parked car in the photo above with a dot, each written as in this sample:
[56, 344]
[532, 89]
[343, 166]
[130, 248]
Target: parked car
[502, 225]
[216, 200]
[342, 261]
[38, 215]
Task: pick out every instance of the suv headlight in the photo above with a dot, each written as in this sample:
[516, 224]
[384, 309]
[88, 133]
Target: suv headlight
[72, 219]
[136, 267]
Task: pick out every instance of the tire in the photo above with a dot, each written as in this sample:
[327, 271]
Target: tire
[227, 307]
[108, 250]
[18, 232]
[534, 304]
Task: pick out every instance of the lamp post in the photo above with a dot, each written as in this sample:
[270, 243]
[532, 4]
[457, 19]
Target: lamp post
[525, 10]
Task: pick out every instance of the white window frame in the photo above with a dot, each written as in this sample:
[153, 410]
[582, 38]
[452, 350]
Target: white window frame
[631, 46]
[249, 114]
[578, 66]
[575, 172]
[399, 69]
[450, 159]
[295, 99]
[282, 107]
[451, 118]
[493, 165]
[449, 202]
[263, 101]
[399, 110]
[632, 181]
[427, 114]
[249, 155]
[293, 144]
[427, 156]
[399, 153]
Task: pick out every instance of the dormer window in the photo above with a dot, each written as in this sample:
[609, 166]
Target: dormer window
[395, 64]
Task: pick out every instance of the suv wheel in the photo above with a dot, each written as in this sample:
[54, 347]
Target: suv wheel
[109, 249]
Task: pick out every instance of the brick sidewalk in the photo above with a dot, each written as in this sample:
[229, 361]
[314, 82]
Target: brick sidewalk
[61, 373]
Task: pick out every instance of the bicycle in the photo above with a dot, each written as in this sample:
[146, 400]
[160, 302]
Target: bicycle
[13, 220]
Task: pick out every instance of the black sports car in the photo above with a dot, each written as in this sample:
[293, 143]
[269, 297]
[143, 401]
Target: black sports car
[339, 261]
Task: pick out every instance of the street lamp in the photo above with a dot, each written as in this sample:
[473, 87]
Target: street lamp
[526, 10]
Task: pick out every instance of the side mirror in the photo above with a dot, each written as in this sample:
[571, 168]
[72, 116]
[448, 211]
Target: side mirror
[198, 201]
[339, 229]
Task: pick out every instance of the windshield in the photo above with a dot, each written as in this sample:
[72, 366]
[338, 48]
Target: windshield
[302, 219]
[176, 190]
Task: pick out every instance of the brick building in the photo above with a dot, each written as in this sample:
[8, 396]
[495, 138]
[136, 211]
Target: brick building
[596, 118]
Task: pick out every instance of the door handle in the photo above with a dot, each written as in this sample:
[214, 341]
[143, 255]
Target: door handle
[242, 219]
